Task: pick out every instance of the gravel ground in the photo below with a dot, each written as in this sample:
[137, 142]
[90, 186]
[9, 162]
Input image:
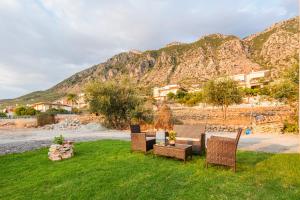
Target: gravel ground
[15, 141]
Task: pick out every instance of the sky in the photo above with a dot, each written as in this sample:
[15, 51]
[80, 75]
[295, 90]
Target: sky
[43, 42]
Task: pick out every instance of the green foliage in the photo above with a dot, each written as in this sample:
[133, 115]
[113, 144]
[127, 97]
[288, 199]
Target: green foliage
[45, 118]
[290, 127]
[193, 98]
[249, 92]
[117, 102]
[72, 98]
[59, 140]
[222, 92]
[172, 135]
[56, 111]
[76, 111]
[180, 94]
[285, 91]
[266, 91]
[187, 98]
[141, 114]
[171, 96]
[292, 74]
[23, 110]
[2, 114]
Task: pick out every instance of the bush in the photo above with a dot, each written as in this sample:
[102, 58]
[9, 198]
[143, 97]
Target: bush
[56, 111]
[23, 110]
[171, 96]
[117, 102]
[59, 140]
[76, 111]
[180, 94]
[45, 118]
[183, 97]
[2, 114]
[290, 127]
[193, 98]
[284, 90]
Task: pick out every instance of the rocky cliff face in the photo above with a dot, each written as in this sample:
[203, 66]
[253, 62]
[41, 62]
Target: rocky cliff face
[276, 48]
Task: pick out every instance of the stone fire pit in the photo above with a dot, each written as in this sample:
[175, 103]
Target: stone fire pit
[61, 152]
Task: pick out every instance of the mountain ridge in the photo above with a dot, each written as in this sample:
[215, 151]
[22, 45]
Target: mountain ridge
[275, 48]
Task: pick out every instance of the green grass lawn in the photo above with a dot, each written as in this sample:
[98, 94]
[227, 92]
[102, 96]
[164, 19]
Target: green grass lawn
[107, 170]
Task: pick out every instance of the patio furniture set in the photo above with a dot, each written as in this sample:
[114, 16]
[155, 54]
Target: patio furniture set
[190, 140]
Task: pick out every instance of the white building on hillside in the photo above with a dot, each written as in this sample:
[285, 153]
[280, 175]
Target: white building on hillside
[253, 79]
[79, 103]
[160, 93]
[44, 106]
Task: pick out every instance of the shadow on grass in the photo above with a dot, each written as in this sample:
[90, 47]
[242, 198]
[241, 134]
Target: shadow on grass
[248, 159]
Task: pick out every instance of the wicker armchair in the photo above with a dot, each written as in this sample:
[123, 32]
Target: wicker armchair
[222, 150]
[139, 141]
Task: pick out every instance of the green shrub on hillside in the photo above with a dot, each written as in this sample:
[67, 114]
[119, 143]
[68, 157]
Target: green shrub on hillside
[2, 114]
[290, 127]
[171, 96]
[180, 94]
[23, 110]
[76, 111]
[187, 98]
[56, 111]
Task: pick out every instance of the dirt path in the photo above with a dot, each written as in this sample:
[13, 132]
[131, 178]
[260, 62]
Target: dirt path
[14, 141]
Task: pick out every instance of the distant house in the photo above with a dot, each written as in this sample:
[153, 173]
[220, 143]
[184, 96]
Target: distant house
[44, 106]
[253, 79]
[160, 93]
[80, 101]
[9, 110]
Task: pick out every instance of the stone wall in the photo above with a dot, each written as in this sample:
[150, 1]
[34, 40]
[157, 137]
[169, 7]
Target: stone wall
[261, 119]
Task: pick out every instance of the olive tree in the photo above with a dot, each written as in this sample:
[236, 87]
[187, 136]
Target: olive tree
[222, 92]
[117, 102]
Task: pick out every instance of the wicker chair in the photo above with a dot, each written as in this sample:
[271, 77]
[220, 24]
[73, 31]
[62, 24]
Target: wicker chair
[139, 141]
[222, 150]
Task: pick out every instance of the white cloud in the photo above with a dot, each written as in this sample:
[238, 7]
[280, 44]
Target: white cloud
[45, 41]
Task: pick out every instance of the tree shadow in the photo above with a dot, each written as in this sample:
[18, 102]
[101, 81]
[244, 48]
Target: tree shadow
[249, 159]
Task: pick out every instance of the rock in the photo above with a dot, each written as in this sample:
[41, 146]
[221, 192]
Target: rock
[60, 152]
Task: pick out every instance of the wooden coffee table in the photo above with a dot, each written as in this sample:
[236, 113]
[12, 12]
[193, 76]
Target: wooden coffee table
[179, 151]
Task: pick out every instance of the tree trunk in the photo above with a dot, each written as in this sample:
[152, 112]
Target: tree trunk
[225, 113]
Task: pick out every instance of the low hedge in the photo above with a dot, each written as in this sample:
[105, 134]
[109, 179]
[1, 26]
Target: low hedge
[45, 118]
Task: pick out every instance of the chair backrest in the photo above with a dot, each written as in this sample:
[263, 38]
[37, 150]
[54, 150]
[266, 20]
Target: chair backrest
[240, 130]
[189, 131]
[135, 128]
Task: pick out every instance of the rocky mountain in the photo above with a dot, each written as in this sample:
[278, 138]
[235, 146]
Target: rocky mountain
[275, 48]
